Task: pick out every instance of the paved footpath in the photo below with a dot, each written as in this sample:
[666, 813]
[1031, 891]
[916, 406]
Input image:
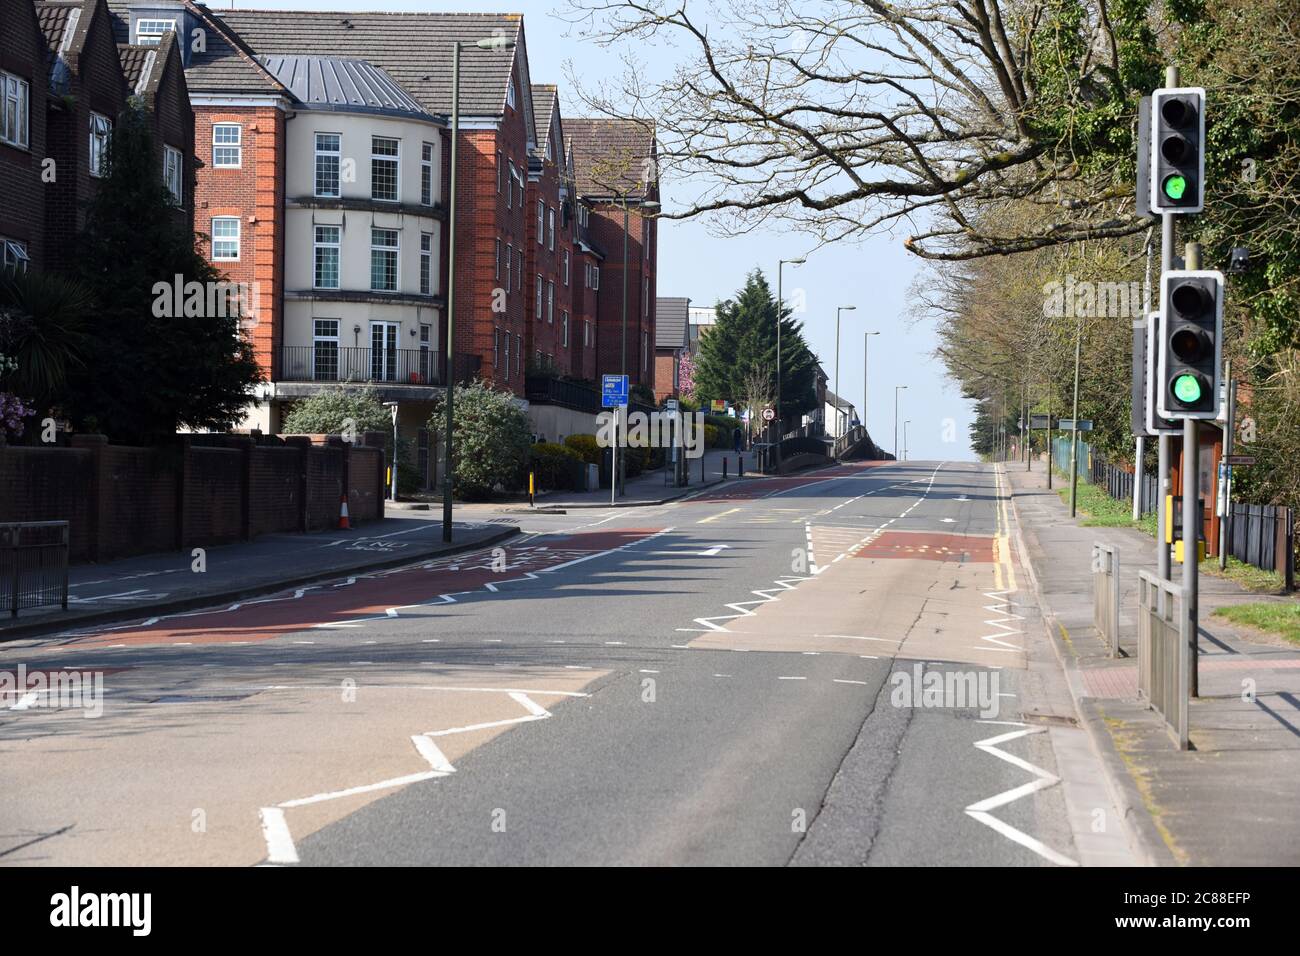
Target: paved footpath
[1233, 799]
[179, 580]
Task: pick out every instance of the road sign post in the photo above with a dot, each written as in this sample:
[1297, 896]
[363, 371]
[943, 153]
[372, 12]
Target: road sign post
[613, 393]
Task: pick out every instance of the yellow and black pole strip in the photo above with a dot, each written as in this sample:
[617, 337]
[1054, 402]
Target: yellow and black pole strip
[532, 487]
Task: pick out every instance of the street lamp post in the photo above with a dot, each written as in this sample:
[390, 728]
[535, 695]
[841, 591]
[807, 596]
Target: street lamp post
[905, 424]
[866, 340]
[838, 310]
[647, 206]
[780, 302]
[499, 42]
[897, 389]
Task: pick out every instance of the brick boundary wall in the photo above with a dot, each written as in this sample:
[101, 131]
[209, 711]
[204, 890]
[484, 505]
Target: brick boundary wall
[204, 490]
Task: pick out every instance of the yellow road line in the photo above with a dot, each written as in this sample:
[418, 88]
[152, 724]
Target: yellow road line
[717, 516]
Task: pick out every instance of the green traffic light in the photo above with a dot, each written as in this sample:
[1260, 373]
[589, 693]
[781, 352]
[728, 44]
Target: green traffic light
[1175, 185]
[1187, 389]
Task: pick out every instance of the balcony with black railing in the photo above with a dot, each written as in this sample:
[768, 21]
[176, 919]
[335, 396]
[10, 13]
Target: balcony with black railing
[327, 363]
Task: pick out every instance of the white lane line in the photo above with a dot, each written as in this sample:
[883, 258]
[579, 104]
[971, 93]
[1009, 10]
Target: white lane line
[980, 810]
[792, 678]
[275, 831]
[837, 680]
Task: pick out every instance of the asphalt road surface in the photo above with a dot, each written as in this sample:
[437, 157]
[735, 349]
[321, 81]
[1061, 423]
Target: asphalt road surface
[845, 667]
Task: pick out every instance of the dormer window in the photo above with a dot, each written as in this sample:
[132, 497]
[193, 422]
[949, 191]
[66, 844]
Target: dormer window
[150, 32]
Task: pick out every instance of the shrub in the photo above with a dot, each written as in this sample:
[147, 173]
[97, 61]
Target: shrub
[556, 466]
[330, 411]
[490, 439]
[586, 447]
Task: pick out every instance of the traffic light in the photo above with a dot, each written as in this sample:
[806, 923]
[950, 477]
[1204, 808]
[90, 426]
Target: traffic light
[1191, 344]
[1178, 150]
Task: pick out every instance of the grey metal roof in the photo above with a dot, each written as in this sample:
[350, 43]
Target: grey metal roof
[334, 83]
[670, 322]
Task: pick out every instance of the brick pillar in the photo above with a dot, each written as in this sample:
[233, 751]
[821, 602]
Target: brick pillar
[98, 493]
[247, 448]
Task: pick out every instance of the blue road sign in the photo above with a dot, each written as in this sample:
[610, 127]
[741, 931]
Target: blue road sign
[613, 390]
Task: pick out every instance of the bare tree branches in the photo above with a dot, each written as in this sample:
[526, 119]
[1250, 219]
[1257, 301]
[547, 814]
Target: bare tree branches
[846, 116]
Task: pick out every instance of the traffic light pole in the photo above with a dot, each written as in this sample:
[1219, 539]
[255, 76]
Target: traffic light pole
[1191, 518]
[1165, 442]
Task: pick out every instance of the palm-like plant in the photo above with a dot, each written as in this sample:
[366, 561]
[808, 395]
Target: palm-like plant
[43, 329]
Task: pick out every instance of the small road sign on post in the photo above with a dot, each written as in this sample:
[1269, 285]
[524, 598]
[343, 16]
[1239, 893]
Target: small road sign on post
[1067, 425]
[1039, 422]
[613, 391]
[1239, 460]
[769, 414]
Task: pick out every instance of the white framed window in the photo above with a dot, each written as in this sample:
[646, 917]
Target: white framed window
[541, 221]
[173, 168]
[15, 110]
[519, 274]
[645, 296]
[519, 353]
[426, 352]
[426, 174]
[325, 256]
[385, 174]
[510, 94]
[325, 350]
[13, 255]
[510, 253]
[150, 32]
[101, 128]
[507, 365]
[383, 351]
[329, 152]
[426, 263]
[496, 268]
[550, 302]
[501, 171]
[225, 238]
[510, 196]
[550, 229]
[227, 145]
[496, 348]
[383, 260]
[564, 329]
[595, 277]
[586, 333]
[645, 350]
[564, 267]
[537, 312]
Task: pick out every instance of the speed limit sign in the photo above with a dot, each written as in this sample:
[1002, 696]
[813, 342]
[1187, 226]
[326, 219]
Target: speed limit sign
[769, 414]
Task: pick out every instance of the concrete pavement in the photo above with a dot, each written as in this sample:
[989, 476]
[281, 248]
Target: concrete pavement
[1230, 801]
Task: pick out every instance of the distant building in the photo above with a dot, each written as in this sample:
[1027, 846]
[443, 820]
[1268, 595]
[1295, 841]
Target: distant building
[699, 321]
[671, 340]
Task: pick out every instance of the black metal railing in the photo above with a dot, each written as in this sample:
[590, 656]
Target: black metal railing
[1263, 536]
[327, 362]
[1118, 483]
[33, 564]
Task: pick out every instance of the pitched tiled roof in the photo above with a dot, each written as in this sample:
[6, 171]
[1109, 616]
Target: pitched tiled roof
[613, 157]
[333, 83]
[415, 49]
[670, 322]
[137, 62]
[53, 18]
[225, 66]
[544, 100]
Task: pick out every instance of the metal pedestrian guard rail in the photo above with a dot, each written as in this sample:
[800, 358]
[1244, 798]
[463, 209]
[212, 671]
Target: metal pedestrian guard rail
[1105, 594]
[1164, 658]
[33, 564]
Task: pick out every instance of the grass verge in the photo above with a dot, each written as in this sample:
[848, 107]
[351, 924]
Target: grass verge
[1274, 617]
[1101, 510]
[1246, 575]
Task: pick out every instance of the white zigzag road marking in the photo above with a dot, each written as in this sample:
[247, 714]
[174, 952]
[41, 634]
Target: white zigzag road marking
[981, 809]
[275, 826]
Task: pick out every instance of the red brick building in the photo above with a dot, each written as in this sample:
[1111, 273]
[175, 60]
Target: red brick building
[65, 80]
[616, 178]
[550, 342]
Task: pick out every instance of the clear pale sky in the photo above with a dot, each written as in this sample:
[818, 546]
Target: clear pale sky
[874, 275]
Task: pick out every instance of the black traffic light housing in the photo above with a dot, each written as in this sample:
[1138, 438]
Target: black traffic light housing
[1190, 344]
[1177, 150]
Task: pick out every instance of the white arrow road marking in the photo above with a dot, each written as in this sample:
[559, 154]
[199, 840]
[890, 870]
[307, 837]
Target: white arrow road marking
[980, 810]
[948, 520]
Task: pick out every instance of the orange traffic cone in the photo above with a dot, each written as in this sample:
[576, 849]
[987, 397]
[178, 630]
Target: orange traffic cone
[343, 514]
